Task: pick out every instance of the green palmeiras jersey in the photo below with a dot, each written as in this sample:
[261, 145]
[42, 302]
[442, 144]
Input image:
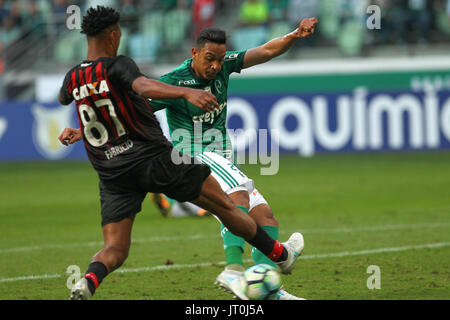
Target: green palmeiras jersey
[191, 129]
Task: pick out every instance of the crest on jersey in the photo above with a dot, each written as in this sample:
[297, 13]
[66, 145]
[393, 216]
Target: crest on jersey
[218, 85]
[47, 126]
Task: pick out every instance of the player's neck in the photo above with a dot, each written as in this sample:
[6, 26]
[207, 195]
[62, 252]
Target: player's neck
[97, 50]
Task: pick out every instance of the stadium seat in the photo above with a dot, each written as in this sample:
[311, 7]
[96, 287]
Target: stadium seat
[442, 21]
[67, 48]
[329, 18]
[152, 22]
[144, 46]
[249, 37]
[176, 24]
[351, 38]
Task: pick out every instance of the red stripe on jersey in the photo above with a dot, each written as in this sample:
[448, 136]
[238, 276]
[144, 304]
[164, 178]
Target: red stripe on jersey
[103, 110]
[81, 78]
[88, 73]
[73, 82]
[100, 77]
[122, 108]
[136, 118]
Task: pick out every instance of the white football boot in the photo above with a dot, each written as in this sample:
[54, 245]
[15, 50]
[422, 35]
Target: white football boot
[80, 290]
[294, 246]
[283, 295]
[230, 280]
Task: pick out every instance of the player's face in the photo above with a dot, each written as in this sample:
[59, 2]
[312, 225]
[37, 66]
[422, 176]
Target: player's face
[208, 60]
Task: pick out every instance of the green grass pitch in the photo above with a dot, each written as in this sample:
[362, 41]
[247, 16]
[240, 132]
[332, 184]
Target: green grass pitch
[355, 210]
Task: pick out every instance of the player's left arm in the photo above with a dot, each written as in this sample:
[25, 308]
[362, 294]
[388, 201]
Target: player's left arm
[70, 135]
[278, 46]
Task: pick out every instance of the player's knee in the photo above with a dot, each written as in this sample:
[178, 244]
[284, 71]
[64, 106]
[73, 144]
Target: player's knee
[263, 215]
[240, 198]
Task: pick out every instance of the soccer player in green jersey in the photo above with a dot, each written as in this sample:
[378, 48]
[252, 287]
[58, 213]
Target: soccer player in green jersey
[203, 134]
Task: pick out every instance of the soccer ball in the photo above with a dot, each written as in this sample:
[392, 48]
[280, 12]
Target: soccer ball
[261, 282]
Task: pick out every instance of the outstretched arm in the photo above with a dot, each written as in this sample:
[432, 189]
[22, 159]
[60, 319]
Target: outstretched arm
[278, 46]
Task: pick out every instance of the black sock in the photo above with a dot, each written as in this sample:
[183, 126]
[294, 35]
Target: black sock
[273, 249]
[95, 274]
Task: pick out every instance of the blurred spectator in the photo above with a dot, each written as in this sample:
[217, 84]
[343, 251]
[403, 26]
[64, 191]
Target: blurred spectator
[4, 11]
[419, 18]
[167, 4]
[351, 10]
[203, 15]
[1, 61]
[33, 17]
[1, 71]
[129, 15]
[254, 13]
[278, 10]
[9, 32]
[16, 14]
[413, 17]
[60, 7]
[301, 9]
[252, 30]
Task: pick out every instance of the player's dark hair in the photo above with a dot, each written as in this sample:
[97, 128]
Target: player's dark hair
[215, 35]
[98, 19]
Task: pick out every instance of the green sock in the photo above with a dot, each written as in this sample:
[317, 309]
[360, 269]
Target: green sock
[259, 257]
[233, 245]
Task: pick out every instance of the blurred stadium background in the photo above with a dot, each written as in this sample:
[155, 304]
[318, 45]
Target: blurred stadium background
[404, 63]
[371, 106]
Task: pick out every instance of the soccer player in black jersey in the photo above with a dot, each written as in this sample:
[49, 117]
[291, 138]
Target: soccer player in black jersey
[132, 157]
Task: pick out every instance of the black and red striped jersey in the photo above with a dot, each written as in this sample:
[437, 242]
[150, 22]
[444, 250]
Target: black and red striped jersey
[119, 128]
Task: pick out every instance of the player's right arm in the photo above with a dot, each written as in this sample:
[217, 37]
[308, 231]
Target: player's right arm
[155, 89]
[127, 74]
[280, 45]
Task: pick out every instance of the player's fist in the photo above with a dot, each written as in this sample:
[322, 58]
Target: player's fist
[69, 136]
[202, 99]
[306, 27]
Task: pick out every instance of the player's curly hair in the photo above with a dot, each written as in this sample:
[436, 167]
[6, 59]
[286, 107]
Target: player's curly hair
[215, 35]
[98, 19]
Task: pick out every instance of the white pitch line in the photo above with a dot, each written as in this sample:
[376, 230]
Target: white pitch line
[206, 236]
[209, 264]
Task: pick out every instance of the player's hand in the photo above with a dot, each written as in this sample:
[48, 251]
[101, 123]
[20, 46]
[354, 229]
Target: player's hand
[306, 27]
[202, 99]
[70, 135]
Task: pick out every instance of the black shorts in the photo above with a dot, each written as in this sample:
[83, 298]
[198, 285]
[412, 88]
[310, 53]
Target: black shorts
[122, 197]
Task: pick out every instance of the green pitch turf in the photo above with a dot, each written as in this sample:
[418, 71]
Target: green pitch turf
[387, 210]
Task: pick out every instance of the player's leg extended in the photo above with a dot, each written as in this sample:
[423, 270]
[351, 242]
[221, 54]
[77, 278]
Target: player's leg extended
[237, 185]
[261, 212]
[213, 199]
[117, 240]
